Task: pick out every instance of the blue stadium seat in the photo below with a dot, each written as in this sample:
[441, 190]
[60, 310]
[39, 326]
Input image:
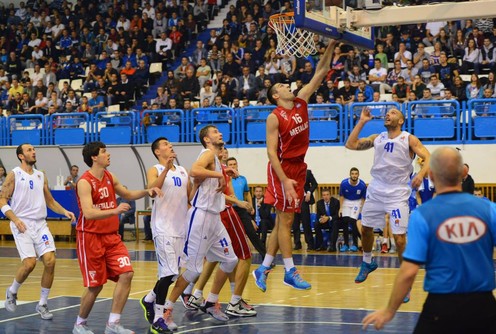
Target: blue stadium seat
[485, 126]
[171, 132]
[434, 128]
[372, 127]
[323, 130]
[70, 136]
[255, 132]
[32, 137]
[116, 135]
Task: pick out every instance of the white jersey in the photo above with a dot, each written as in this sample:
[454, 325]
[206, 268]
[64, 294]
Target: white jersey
[206, 197]
[392, 164]
[28, 199]
[169, 211]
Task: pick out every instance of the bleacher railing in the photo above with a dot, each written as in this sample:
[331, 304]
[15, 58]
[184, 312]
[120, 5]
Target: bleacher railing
[436, 121]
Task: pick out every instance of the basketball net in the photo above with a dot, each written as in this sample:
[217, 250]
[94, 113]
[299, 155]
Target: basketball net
[290, 39]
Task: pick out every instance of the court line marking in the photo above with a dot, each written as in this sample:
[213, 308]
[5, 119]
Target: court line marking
[65, 307]
[270, 323]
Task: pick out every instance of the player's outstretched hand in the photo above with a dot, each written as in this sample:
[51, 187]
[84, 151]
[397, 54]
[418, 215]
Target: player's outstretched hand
[123, 207]
[70, 215]
[155, 191]
[289, 190]
[365, 115]
[416, 182]
[379, 318]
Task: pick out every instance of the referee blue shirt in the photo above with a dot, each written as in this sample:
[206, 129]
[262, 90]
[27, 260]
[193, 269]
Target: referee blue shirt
[240, 186]
[454, 235]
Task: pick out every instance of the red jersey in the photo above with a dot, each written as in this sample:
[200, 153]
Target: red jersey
[103, 195]
[228, 179]
[294, 132]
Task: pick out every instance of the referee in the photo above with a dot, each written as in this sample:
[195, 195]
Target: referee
[454, 236]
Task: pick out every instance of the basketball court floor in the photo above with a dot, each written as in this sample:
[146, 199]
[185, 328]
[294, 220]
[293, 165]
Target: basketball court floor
[335, 304]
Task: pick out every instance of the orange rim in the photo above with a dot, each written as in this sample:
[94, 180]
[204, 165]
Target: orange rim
[284, 17]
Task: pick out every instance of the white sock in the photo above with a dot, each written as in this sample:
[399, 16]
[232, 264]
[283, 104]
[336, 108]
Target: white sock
[159, 311]
[288, 263]
[212, 298]
[44, 296]
[15, 286]
[385, 241]
[235, 299]
[267, 262]
[189, 289]
[169, 305]
[113, 318]
[80, 320]
[232, 284]
[198, 293]
[393, 243]
[367, 257]
[150, 297]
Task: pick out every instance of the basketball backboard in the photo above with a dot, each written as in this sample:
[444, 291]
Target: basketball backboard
[330, 21]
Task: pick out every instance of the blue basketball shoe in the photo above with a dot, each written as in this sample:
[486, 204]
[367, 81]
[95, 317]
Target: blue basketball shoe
[260, 275]
[293, 279]
[365, 270]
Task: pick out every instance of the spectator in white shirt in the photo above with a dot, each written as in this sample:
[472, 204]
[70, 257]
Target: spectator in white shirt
[403, 55]
[377, 77]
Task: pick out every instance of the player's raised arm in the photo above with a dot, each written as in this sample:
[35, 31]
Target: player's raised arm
[419, 149]
[202, 168]
[353, 143]
[320, 72]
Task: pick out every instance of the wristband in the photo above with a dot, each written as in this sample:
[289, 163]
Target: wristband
[6, 208]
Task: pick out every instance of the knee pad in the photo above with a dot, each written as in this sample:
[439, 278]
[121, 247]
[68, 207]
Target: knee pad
[228, 266]
[191, 276]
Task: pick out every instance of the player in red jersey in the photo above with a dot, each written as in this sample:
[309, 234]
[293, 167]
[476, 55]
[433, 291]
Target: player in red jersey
[288, 137]
[101, 253]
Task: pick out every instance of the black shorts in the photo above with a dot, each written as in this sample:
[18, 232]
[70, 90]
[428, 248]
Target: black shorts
[458, 313]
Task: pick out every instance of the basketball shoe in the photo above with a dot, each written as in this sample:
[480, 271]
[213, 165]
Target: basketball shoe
[293, 279]
[148, 310]
[159, 327]
[116, 328]
[239, 310]
[214, 310]
[44, 312]
[81, 329]
[10, 301]
[260, 275]
[365, 270]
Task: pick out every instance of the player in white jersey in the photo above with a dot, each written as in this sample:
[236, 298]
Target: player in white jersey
[207, 236]
[169, 226]
[27, 190]
[388, 192]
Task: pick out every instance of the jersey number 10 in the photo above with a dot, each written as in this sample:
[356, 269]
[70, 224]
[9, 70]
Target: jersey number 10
[177, 181]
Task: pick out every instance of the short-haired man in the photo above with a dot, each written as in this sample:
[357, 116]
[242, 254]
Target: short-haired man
[389, 189]
[352, 192]
[101, 253]
[288, 138]
[29, 195]
[449, 235]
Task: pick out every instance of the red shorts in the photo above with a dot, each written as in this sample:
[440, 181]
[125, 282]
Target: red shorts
[274, 194]
[236, 232]
[101, 257]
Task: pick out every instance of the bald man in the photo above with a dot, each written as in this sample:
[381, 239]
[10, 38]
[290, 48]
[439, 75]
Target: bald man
[389, 190]
[454, 236]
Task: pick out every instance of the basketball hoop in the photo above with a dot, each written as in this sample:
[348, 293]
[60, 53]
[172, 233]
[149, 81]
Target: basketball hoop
[290, 39]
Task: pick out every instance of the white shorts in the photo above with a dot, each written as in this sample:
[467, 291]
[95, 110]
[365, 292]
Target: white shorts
[169, 252]
[351, 208]
[376, 206]
[35, 241]
[207, 238]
